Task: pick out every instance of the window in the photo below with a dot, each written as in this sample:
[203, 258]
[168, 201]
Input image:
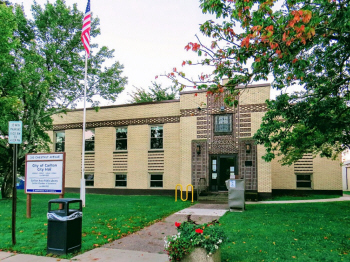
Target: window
[121, 138]
[156, 180]
[59, 141]
[89, 179]
[156, 137]
[90, 140]
[120, 180]
[303, 181]
[223, 124]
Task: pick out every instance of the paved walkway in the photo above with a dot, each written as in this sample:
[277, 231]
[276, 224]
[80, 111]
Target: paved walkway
[148, 244]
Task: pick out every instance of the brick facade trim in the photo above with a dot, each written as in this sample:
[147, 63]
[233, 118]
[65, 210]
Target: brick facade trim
[124, 122]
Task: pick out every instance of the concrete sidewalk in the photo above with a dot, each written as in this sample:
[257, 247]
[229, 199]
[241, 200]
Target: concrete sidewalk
[148, 243]
[144, 245]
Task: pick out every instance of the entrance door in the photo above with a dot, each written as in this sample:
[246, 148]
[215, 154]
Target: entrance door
[221, 167]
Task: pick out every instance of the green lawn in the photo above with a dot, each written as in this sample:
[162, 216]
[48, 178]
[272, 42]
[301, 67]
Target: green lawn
[105, 218]
[302, 197]
[288, 232]
[346, 192]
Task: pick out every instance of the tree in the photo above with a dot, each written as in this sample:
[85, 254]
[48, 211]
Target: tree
[299, 42]
[42, 72]
[155, 93]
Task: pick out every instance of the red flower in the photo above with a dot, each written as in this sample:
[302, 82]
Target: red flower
[177, 224]
[198, 230]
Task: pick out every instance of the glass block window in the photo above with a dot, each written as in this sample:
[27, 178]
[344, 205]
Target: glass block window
[89, 179]
[303, 181]
[156, 180]
[59, 141]
[156, 137]
[120, 180]
[223, 124]
[121, 138]
[90, 140]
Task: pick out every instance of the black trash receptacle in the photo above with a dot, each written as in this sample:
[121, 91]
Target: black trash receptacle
[64, 227]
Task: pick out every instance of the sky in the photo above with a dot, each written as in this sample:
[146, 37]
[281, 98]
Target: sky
[148, 36]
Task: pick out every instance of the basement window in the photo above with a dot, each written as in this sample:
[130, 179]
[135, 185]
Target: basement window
[303, 180]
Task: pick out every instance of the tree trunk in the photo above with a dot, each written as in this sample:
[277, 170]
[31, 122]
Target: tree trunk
[6, 187]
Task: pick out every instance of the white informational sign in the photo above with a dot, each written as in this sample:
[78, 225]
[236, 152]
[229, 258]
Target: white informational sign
[15, 132]
[232, 184]
[44, 173]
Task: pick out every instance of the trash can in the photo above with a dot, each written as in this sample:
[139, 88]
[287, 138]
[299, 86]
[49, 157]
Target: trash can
[236, 194]
[64, 226]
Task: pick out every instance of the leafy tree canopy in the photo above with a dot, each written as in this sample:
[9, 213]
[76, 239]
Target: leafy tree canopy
[155, 93]
[42, 72]
[305, 43]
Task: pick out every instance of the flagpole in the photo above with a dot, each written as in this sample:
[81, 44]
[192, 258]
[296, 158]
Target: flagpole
[82, 181]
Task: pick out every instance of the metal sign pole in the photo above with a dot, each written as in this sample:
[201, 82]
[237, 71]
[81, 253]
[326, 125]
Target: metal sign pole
[14, 194]
[15, 138]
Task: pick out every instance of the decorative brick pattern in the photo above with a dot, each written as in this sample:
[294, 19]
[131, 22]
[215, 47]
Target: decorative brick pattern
[245, 119]
[253, 108]
[199, 164]
[202, 127]
[304, 165]
[89, 163]
[193, 112]
[248, 173]
[156, 161]
[126, 122]
[120, 162]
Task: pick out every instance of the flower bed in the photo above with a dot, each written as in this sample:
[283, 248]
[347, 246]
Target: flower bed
[190, 235]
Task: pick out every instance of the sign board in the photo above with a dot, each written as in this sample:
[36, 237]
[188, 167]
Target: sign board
[232, 183]
[45, 173]
[15, 132]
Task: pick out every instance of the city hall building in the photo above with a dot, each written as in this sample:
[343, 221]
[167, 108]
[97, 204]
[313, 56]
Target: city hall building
[149, 148]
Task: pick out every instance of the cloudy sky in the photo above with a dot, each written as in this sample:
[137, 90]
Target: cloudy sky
[148, 36]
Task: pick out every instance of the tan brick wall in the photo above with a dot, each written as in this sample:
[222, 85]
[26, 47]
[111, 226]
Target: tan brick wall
[327, 174]
[138, 146]
[256, 121]
[256, 95]
[172, 156]
[191, 100]
[73, 146]
[283, 177]
[121, 112]
[188, 133]
[264, 172]
[104, 147]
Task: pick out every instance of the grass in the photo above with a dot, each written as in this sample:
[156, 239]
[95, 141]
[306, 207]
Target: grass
[105, 218]
[346, 192]
[288, 232]
[302, 197]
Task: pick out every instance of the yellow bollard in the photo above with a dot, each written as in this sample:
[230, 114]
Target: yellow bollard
[181, 192]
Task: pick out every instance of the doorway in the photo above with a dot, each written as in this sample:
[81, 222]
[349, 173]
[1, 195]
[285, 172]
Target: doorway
[221, 168]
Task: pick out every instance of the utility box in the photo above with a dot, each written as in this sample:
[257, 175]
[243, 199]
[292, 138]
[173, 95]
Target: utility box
[236, 194]
[64, 226]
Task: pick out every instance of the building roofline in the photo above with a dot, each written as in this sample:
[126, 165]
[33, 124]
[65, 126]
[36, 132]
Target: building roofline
[238, 87]
[126, 105]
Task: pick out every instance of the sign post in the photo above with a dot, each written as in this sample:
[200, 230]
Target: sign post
[45, 174]
[15, 138]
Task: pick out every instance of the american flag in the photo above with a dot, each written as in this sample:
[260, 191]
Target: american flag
[85, 35]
